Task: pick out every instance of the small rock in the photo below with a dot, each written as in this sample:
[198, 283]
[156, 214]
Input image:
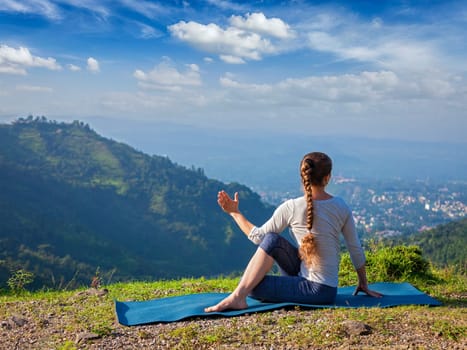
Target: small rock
[6, 325]
[102, 292]
[356, 328]
[85, 336]
[13, 321]
[43, 323]
[20, 322]
[94, 291]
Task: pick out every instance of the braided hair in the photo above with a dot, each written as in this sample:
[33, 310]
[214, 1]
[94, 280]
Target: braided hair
[313, 169]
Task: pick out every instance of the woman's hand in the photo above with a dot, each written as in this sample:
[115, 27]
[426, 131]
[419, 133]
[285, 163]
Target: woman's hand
[363, 284]
[228, 204]
[364, 289]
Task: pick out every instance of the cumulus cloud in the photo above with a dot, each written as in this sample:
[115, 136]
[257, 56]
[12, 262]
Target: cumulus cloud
[73, 67]
[93, 65]
[244, 40]
[232, 59]
[17, 61]
[229, 42]
[380, 101]
[257, 22]
[166, 77]
[365, 88]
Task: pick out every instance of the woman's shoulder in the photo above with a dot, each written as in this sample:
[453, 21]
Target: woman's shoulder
[336, 201]
[292, 203]
[300, 202]
[339, 200]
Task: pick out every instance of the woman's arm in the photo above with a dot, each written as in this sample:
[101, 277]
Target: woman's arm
[363, 284]
[276, 223]
[357, 256]
[230, 206]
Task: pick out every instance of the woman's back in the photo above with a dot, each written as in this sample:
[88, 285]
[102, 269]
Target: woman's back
[330, 218]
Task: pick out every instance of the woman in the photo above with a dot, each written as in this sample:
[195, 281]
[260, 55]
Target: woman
[315, 221]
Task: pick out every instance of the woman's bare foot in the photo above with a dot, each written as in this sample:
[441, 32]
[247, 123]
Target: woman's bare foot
[231, 302]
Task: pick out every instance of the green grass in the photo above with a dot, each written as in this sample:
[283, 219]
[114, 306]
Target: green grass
[80, 311]
[75, 312]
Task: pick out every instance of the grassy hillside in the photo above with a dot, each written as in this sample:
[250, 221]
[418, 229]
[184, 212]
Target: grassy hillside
[72, 202]
[84, 319]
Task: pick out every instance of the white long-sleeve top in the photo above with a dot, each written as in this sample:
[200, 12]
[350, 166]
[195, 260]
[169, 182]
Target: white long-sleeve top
[330, 218]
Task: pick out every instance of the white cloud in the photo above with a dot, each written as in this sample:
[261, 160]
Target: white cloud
[13, 6]
[377, 102]
[365, 88]
[17, 61]
[166, 77]
[232, 59]
[233, 42]
[53, 10]
[392, 53]
[146, 8]
[382, 44]
[73, 67]
[226, 5]
[37, 7]
[165, 88]
[148, 32]
[256, 90]
[257, 22]
[8, 69]
[93, 6]
[93, 65]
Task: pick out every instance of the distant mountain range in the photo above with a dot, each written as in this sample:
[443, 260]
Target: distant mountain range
[73, 202]
[267, 160]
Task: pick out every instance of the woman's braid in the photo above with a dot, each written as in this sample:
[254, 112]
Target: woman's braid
[307, 249]
[314, 169]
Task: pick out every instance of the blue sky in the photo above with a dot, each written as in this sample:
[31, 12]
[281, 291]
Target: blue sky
[383, 69]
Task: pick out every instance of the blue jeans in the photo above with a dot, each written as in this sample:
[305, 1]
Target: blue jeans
[291, 287]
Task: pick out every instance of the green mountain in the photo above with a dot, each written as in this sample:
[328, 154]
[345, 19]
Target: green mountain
[73, 202]
[445, 245]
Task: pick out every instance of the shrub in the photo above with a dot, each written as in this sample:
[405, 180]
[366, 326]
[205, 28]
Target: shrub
[398, 263]
[390, 264]
[19, 279]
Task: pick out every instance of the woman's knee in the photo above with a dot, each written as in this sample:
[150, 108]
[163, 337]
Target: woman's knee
[270, 242]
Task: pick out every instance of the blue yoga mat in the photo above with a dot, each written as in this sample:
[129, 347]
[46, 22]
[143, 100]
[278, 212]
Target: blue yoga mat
[177, 308]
